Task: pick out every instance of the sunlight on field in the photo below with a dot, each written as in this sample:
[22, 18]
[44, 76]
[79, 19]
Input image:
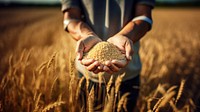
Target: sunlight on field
[37, 71]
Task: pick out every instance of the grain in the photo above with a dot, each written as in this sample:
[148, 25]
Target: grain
[104, 51]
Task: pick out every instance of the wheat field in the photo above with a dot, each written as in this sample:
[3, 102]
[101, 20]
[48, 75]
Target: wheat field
[37, 64]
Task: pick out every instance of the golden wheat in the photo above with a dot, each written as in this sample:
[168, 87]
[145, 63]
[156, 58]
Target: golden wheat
[79, 87]
[122, 101]
[91, 101]
[52, 105]
[110, 103]
[180, 91]
[32, 75]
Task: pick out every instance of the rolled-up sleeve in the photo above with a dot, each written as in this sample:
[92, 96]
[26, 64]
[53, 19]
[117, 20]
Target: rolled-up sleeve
[66, 4]
[147, 2]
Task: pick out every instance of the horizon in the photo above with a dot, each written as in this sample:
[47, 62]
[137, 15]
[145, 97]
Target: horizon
[58, 1]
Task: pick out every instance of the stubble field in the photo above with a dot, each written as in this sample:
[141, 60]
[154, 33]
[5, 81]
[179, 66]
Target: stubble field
[37, 72]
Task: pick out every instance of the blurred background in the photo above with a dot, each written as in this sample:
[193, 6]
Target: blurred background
[36, 55]
[53, 2]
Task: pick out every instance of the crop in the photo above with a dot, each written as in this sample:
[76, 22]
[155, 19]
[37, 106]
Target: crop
[105, 51]
[37, 71]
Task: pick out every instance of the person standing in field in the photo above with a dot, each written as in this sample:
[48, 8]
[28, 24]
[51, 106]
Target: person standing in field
[121, 22]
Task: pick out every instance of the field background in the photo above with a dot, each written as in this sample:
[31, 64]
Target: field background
[35, 59]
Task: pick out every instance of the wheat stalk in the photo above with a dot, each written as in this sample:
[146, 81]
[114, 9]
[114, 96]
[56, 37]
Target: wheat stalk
[167, 98]
[149, 103]
[157, 103]
[37, 102]
[124, 104]
[171, 89]
[51, 60]
[122, 101]
[91, 100]
[180, 91]
[118, 82]
[108, 86]
[110, 104]
[54, 81]
[117, 86]
[173, 106]
[53, 105]
[164, 100]
[79, 87]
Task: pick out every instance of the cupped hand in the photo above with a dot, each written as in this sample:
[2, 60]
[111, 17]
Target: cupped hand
[92, 65]
[125, 45]
[83, 46]
[114, 66]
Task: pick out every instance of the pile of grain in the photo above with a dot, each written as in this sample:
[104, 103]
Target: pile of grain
[104, 51]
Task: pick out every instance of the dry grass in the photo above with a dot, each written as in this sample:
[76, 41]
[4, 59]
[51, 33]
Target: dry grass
[37, 69]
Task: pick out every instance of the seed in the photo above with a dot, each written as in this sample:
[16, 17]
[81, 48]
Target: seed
[105, 51]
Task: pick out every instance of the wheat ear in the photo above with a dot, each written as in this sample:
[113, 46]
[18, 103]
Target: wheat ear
[53, 105]
[167, 98]
[50, 62]
[91, 100]
[108, 86]
[79, 87]
[109, 107]
[180, 91]
[121, 102]
[37, 102]
[157, 103]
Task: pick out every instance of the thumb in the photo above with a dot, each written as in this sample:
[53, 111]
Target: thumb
[79, 50]
[129, 51]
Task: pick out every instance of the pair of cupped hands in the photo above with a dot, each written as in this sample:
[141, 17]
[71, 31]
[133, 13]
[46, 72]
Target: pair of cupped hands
[124, 44]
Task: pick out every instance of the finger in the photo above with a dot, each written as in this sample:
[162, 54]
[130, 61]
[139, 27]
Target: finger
[96, 71]
[111, 66]
[93, 66]
[129, 50]
[107, 63]
[100, 67]
[87, 62]
[79, 50]
[114, 68]
[119, 63]
[106, 69]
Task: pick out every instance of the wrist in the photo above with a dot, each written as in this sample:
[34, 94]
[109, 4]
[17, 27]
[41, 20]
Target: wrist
[146, 19]
[66, 23]
[92, 38]
[121, 35]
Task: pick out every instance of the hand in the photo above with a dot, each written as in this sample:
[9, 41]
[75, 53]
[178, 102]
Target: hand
[92, 65]
[84, 45]
[114, 66]
[126, 46]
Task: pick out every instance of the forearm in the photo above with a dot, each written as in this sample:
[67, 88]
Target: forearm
[77, 28]
[135, 30]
